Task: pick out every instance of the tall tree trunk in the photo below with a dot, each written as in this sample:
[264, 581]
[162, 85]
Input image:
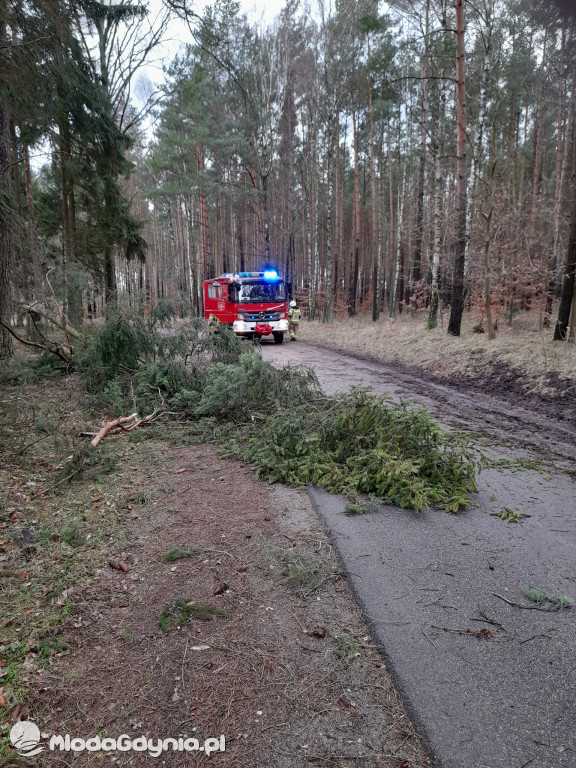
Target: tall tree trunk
[569, 271]
[437, 236]
[457, 302]
[572, 328]
[310, 217]
[536, 170]
[327, 314]
[396, 280]
[391, 306]
[307, 222]
[437, 248]
[353, 285]
[483, 111]
[6, 346]
[32, 228]
[417, 265]
[376, 242]
[487, 215]
[195, 287]
[266, 217]
[73, 295]
[203, 220]
[567, 290]
[562, 152]
[382, 258]
[338, 227]
[183, 277]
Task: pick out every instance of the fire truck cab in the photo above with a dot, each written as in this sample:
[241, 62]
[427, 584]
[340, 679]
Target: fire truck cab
[253, 304]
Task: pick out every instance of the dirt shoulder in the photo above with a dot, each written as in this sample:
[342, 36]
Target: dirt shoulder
[521, 366]
[285, 668]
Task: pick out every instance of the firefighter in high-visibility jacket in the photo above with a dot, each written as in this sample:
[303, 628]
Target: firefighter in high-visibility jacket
[293, 320]
[214, 323]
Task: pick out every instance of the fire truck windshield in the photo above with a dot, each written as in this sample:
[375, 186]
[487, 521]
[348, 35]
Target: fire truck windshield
[260, 291]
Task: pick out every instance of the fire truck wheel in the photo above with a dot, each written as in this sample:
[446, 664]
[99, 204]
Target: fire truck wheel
[278, 338]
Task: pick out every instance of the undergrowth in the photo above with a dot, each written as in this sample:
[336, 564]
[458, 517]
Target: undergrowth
[277, 420]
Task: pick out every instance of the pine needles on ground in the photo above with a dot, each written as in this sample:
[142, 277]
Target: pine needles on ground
[180, 554]
[180, 611]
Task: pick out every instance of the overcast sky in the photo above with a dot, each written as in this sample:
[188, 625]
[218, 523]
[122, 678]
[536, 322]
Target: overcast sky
[261, 12]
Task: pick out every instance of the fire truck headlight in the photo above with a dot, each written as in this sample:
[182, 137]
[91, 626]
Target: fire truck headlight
[240, 325]
[240, 317]
[282, 325]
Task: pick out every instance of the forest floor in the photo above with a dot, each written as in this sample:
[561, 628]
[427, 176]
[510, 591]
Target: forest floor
[286, 669]
[289, 673]
[522, 364]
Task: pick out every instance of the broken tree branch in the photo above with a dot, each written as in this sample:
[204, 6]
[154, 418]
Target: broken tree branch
[53, 348]
[473, 632]
[111, 425]
[556, 606]
[124, 424]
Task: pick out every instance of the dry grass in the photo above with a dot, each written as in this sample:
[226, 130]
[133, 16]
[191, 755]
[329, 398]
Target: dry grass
[523, 347]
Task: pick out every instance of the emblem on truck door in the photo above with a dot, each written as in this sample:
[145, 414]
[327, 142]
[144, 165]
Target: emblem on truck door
[221, 305]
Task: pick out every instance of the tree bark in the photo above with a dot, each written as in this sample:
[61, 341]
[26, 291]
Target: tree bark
[6, 345]
[477, 154]
[398, 261]
[437, 144]
[376, 243]
[32, 228]
[391, 304]
[353, 285]
[487, 215]
[567, 291]
[327, 314]
[203, 218]
[438, 190]
[562, 152]
[457, 302]
[569, 271]
[418, 247]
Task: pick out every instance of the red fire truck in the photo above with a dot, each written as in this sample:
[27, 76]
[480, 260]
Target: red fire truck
[253, 304]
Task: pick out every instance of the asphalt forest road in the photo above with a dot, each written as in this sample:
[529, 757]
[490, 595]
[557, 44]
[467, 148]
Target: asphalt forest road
[488, 677]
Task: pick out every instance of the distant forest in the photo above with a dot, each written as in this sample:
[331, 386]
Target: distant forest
[387, 158]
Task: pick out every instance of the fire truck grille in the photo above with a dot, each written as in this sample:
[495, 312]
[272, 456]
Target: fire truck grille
[259, 317]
